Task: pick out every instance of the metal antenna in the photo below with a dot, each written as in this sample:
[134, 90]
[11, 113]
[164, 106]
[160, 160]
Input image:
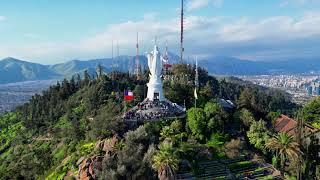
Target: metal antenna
[112, 56]
[197, 74]
[117, 48]
[117, 62]
[181, 31]
[137, 64]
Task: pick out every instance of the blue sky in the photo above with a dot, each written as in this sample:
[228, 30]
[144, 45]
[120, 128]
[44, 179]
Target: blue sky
[50, 32]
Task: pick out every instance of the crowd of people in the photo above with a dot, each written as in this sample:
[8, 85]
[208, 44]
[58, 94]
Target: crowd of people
[154, 110]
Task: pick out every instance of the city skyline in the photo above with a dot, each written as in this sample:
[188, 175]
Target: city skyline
[59, 31]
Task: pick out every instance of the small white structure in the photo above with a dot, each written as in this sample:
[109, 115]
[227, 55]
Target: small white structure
[155, 89]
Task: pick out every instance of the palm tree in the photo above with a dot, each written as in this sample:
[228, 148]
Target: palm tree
[165, 162]
[285, 147]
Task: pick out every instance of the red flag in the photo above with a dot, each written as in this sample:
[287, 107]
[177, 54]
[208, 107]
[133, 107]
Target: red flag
[128, 95]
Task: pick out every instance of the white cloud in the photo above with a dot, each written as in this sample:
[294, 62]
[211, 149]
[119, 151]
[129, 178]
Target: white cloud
[198, 4]
[273, 28]
[3, 18]
[286, 3]
[273, 37]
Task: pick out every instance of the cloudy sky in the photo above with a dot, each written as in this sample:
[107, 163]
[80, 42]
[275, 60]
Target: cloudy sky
[50, 32]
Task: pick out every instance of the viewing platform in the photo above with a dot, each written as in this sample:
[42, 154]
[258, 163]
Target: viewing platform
[154, 111]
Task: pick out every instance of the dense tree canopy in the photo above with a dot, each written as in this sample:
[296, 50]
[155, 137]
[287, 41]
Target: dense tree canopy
[311, 112]
[45, 137]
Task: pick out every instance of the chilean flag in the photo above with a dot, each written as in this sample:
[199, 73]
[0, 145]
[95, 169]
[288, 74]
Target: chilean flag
[128, 95]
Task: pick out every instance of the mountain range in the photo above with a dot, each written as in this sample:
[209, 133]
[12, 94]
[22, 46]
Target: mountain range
[15, 70]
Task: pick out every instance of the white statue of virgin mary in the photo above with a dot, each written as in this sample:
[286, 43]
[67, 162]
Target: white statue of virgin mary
[155, 91]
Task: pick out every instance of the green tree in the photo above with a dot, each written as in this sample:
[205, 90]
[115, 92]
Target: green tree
[285, 147]
[86, 78]
[272, 117]
[246, 118]
[215, 116]
[139, 92]
[258, 135]
[105, 125]
[165, 161]
[132, 159]
[100, 70]
[311, 112]
[196, 121]
[205, 93]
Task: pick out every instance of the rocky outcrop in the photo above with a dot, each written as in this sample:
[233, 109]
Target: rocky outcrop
[107, 146]
[90, 167]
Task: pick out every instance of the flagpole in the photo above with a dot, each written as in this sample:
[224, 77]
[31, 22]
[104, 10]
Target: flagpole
[195, 102]
[196, 84]
[124, 102]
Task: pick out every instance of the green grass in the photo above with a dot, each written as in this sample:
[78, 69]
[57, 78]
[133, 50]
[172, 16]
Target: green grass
[258, 170]
[60, 153]
[241, 164]
[86, 148]
[7, 135]
[316, 124]
[269, 177]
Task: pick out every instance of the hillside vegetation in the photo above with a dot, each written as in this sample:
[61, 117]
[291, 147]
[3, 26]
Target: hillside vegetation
[53, 134]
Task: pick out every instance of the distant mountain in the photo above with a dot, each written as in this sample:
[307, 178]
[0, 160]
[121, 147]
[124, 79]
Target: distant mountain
[14, 70]
[234, 66]
[121, 63]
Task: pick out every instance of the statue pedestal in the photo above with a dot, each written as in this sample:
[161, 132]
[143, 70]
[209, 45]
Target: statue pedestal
[155, 91]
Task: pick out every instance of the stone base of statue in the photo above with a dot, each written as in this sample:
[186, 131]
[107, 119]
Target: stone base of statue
[155, 90]
[154, 111]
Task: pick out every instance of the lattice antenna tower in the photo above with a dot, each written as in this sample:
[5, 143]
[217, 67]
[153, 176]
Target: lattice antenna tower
[166, 55]
[137, 70]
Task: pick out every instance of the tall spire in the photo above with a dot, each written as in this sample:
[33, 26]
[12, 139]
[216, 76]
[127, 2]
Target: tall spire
[117, 48]
[166, 64]
[196, 81]
[166, 58]
[137, 70]
[112, 50]
[112, 60]
[166, 47]
[155, 40]
[117, 58]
